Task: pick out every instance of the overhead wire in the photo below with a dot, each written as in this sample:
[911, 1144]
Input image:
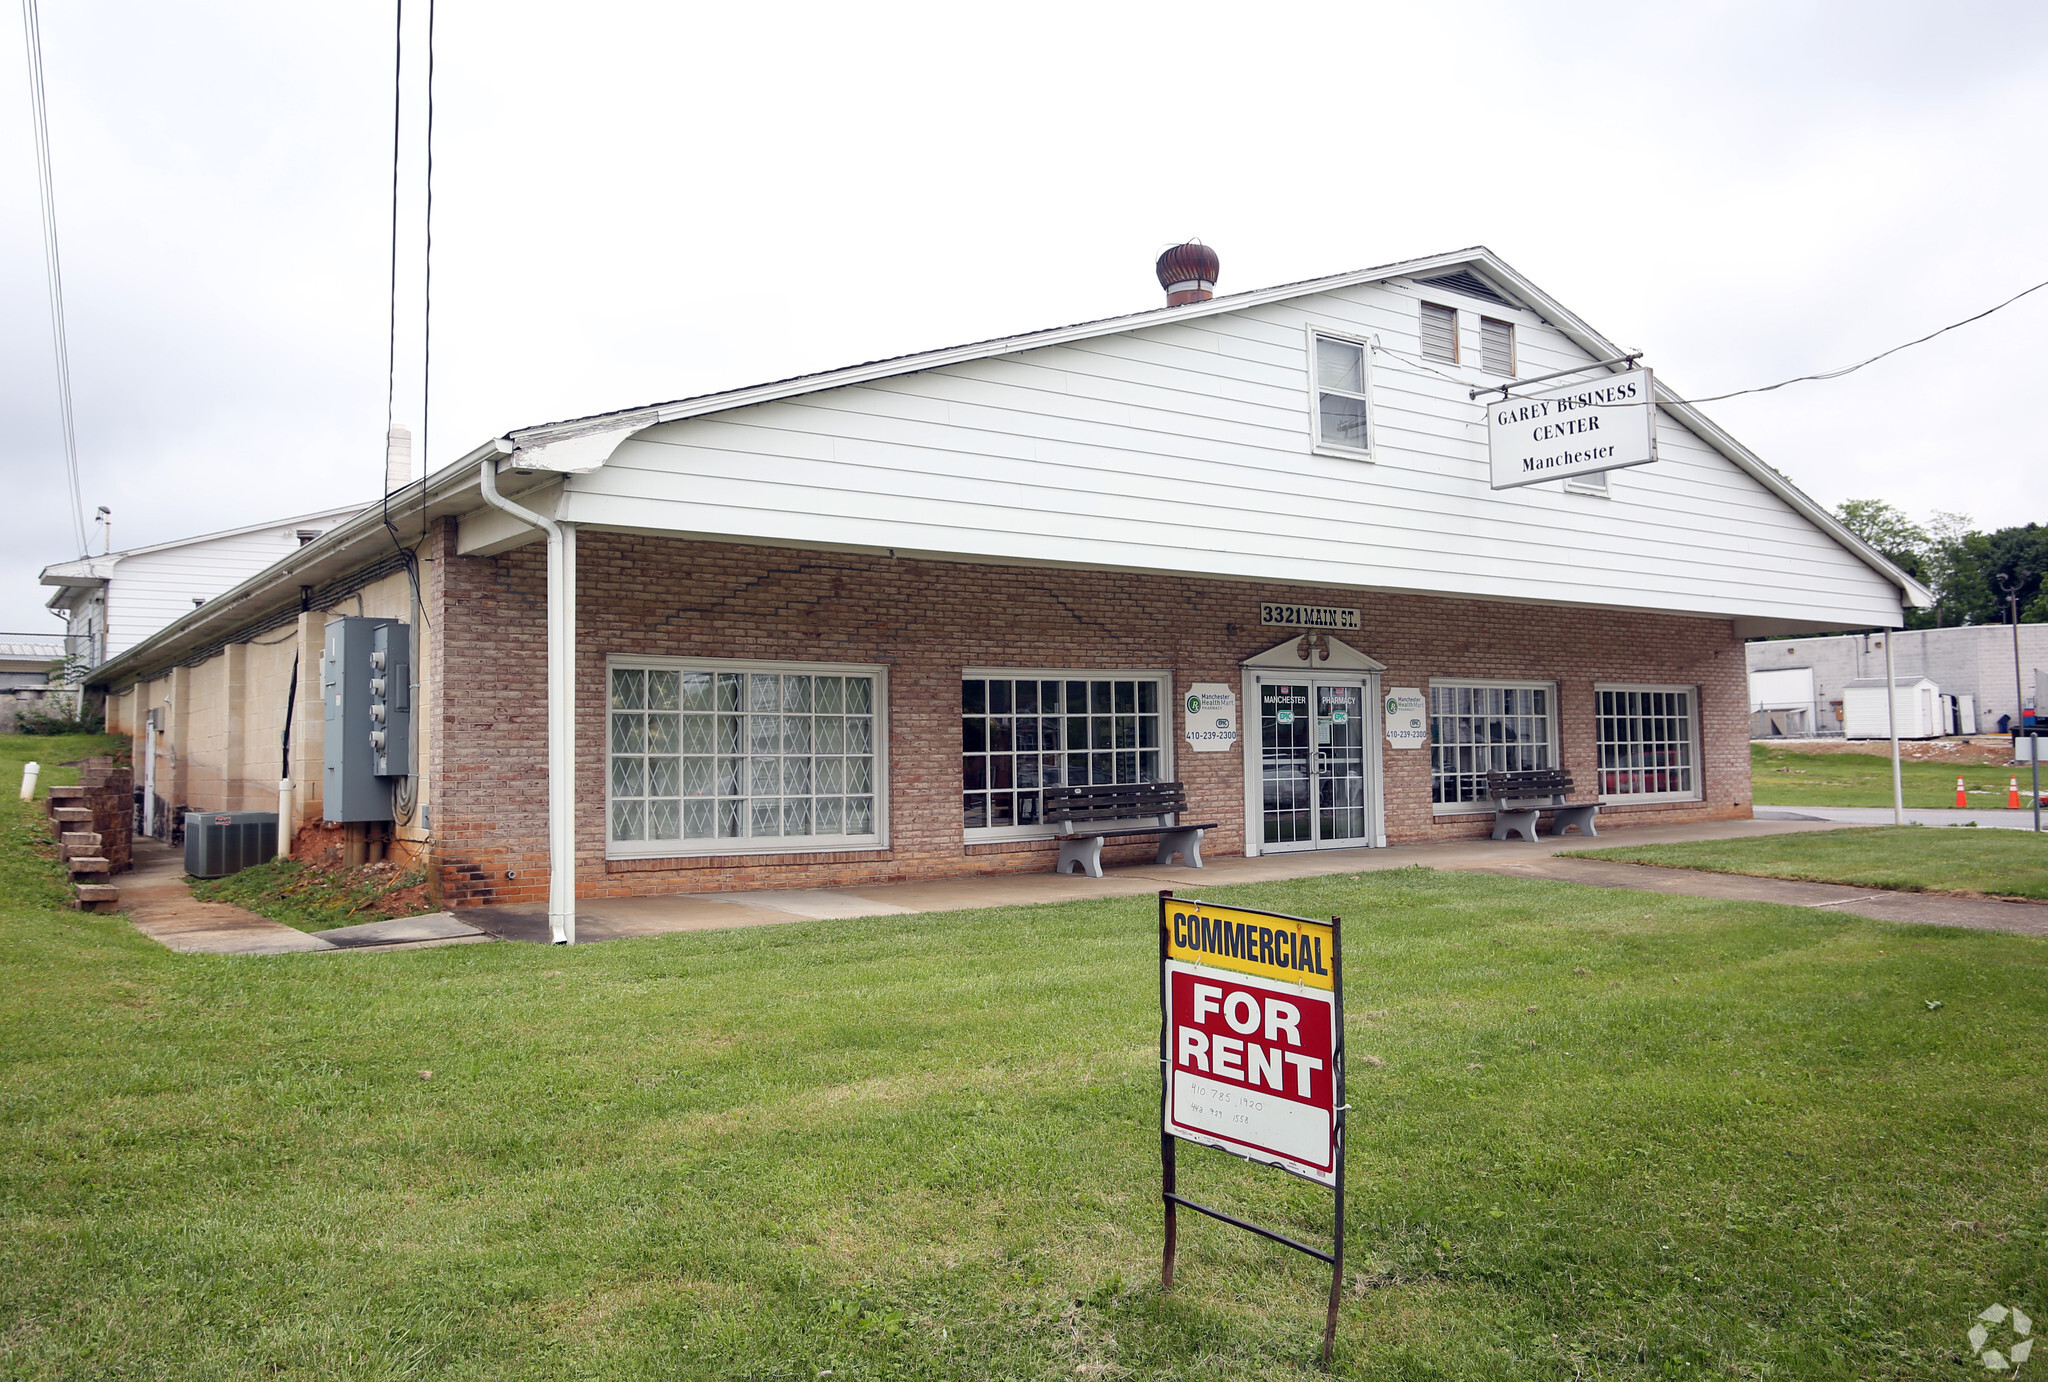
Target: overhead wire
[1836, 373]
[39, 112]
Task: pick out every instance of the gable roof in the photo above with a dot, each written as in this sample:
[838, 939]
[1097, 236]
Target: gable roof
[585, 443]
[1476, 271]
[90, 570]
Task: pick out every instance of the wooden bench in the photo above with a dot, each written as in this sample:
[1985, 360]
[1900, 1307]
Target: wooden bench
[1520, 798]
[1094, 808]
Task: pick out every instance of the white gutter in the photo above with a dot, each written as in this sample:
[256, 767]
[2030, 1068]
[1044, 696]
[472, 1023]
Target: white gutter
[561, 704]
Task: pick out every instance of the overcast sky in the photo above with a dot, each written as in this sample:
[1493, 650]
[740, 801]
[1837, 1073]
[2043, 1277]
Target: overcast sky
[638, 202]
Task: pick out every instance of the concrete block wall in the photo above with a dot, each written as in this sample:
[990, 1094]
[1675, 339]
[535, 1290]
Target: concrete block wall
[926, 621]
[219, 747]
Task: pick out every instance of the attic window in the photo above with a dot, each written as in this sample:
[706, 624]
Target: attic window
[306, 535]
[1496, 346]
[1439, 333]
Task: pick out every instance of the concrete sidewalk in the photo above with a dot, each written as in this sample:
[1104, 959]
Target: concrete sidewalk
[620, 918]
[158, 901]
[2022, 819]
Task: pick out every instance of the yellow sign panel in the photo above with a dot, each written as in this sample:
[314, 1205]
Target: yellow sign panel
[1289, 949]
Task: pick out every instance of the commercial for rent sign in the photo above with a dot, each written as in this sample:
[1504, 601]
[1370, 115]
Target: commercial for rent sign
[1604, 423]
[1251, 1055]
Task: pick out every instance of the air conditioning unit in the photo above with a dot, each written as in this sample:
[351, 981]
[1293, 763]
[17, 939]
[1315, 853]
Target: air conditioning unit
[218, 843]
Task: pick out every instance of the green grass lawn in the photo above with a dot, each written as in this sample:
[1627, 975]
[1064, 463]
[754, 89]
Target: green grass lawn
[1912, 858]
[52, 751]
[1783, 777]
[1595, 1134]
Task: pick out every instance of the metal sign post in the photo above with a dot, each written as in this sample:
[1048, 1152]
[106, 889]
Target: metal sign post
[1251, 1058]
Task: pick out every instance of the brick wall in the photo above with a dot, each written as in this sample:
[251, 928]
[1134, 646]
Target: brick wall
[925, 620]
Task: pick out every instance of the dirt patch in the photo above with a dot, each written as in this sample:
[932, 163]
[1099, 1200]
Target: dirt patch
[1980, 750]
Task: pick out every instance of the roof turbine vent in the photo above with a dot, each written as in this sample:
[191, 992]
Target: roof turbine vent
[1188, 273]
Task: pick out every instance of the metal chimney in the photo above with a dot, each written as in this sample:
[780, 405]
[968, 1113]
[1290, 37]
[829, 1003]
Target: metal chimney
[398, 459]
[1188, 273]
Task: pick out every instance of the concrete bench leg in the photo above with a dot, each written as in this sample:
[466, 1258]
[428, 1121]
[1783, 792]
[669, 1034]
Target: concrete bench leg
[1086, 855]
[1522, 823]
[1580, 816]
[1184, 842]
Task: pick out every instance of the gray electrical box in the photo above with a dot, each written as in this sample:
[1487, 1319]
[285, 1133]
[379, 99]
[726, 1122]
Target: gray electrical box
[366, 703]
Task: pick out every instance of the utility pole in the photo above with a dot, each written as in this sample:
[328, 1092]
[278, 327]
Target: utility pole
[2011, 587]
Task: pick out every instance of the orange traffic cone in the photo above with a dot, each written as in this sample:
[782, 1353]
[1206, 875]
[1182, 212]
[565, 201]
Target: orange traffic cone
[2012, 795]
[1961, 799]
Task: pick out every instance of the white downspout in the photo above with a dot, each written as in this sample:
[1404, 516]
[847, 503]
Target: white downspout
[561, 705]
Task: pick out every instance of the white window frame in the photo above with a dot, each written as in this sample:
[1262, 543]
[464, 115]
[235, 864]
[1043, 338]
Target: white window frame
[1597, 484]
[1692, 694]
[1316, 391]
[1043, 830]
[1485, 804]
[753, 844]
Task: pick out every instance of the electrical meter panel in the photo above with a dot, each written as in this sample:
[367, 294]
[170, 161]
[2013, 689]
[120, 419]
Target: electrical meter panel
[366, 697]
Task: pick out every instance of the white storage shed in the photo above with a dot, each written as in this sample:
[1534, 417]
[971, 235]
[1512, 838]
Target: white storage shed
[1918, 703]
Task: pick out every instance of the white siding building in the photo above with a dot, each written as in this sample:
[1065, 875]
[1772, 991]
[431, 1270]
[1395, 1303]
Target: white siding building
[116, 600]
[854, 626]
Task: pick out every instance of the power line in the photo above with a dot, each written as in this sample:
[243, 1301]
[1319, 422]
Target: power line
[1844, 370]
[39, 112]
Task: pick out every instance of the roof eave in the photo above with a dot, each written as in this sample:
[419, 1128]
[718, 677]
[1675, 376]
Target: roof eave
[346, 545]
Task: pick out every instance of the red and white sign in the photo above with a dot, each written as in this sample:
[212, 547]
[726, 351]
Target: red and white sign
[1251, 1068]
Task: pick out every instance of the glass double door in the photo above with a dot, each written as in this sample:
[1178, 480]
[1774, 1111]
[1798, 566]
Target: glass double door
[1313, 766]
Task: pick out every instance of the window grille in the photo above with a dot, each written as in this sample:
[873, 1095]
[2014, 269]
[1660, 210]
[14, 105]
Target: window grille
[709, 760]
[1439, 333]
[1647, 740]
[1476, 728]
[1022, 734]
[1341, 401]
[1496, 346]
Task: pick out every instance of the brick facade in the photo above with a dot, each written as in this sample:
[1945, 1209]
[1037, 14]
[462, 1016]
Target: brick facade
[925, 621]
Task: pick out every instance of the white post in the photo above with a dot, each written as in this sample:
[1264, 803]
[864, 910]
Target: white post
[1891, 717]
[284, 817]
[561, 705]
[562, 735]
[29, 773]
[149, 773]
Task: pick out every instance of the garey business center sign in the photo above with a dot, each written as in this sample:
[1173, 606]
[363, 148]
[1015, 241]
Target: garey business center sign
[1599, 424]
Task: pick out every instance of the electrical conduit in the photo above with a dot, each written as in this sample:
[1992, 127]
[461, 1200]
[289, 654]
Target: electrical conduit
[561, 705]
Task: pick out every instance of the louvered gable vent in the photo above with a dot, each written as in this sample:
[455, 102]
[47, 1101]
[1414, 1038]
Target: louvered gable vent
[1439, 333]
[1471, 284]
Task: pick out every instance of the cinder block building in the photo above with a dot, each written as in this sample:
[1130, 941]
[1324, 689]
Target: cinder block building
[850, 627]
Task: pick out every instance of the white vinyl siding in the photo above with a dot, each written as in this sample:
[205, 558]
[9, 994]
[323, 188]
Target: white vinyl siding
[1647, 738]
[156, 586]
[718, 757]
[1343, 409]
[1024, 731]
[1187, 448]
[1496, 346]
[1439, 333]
[1481, 727]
